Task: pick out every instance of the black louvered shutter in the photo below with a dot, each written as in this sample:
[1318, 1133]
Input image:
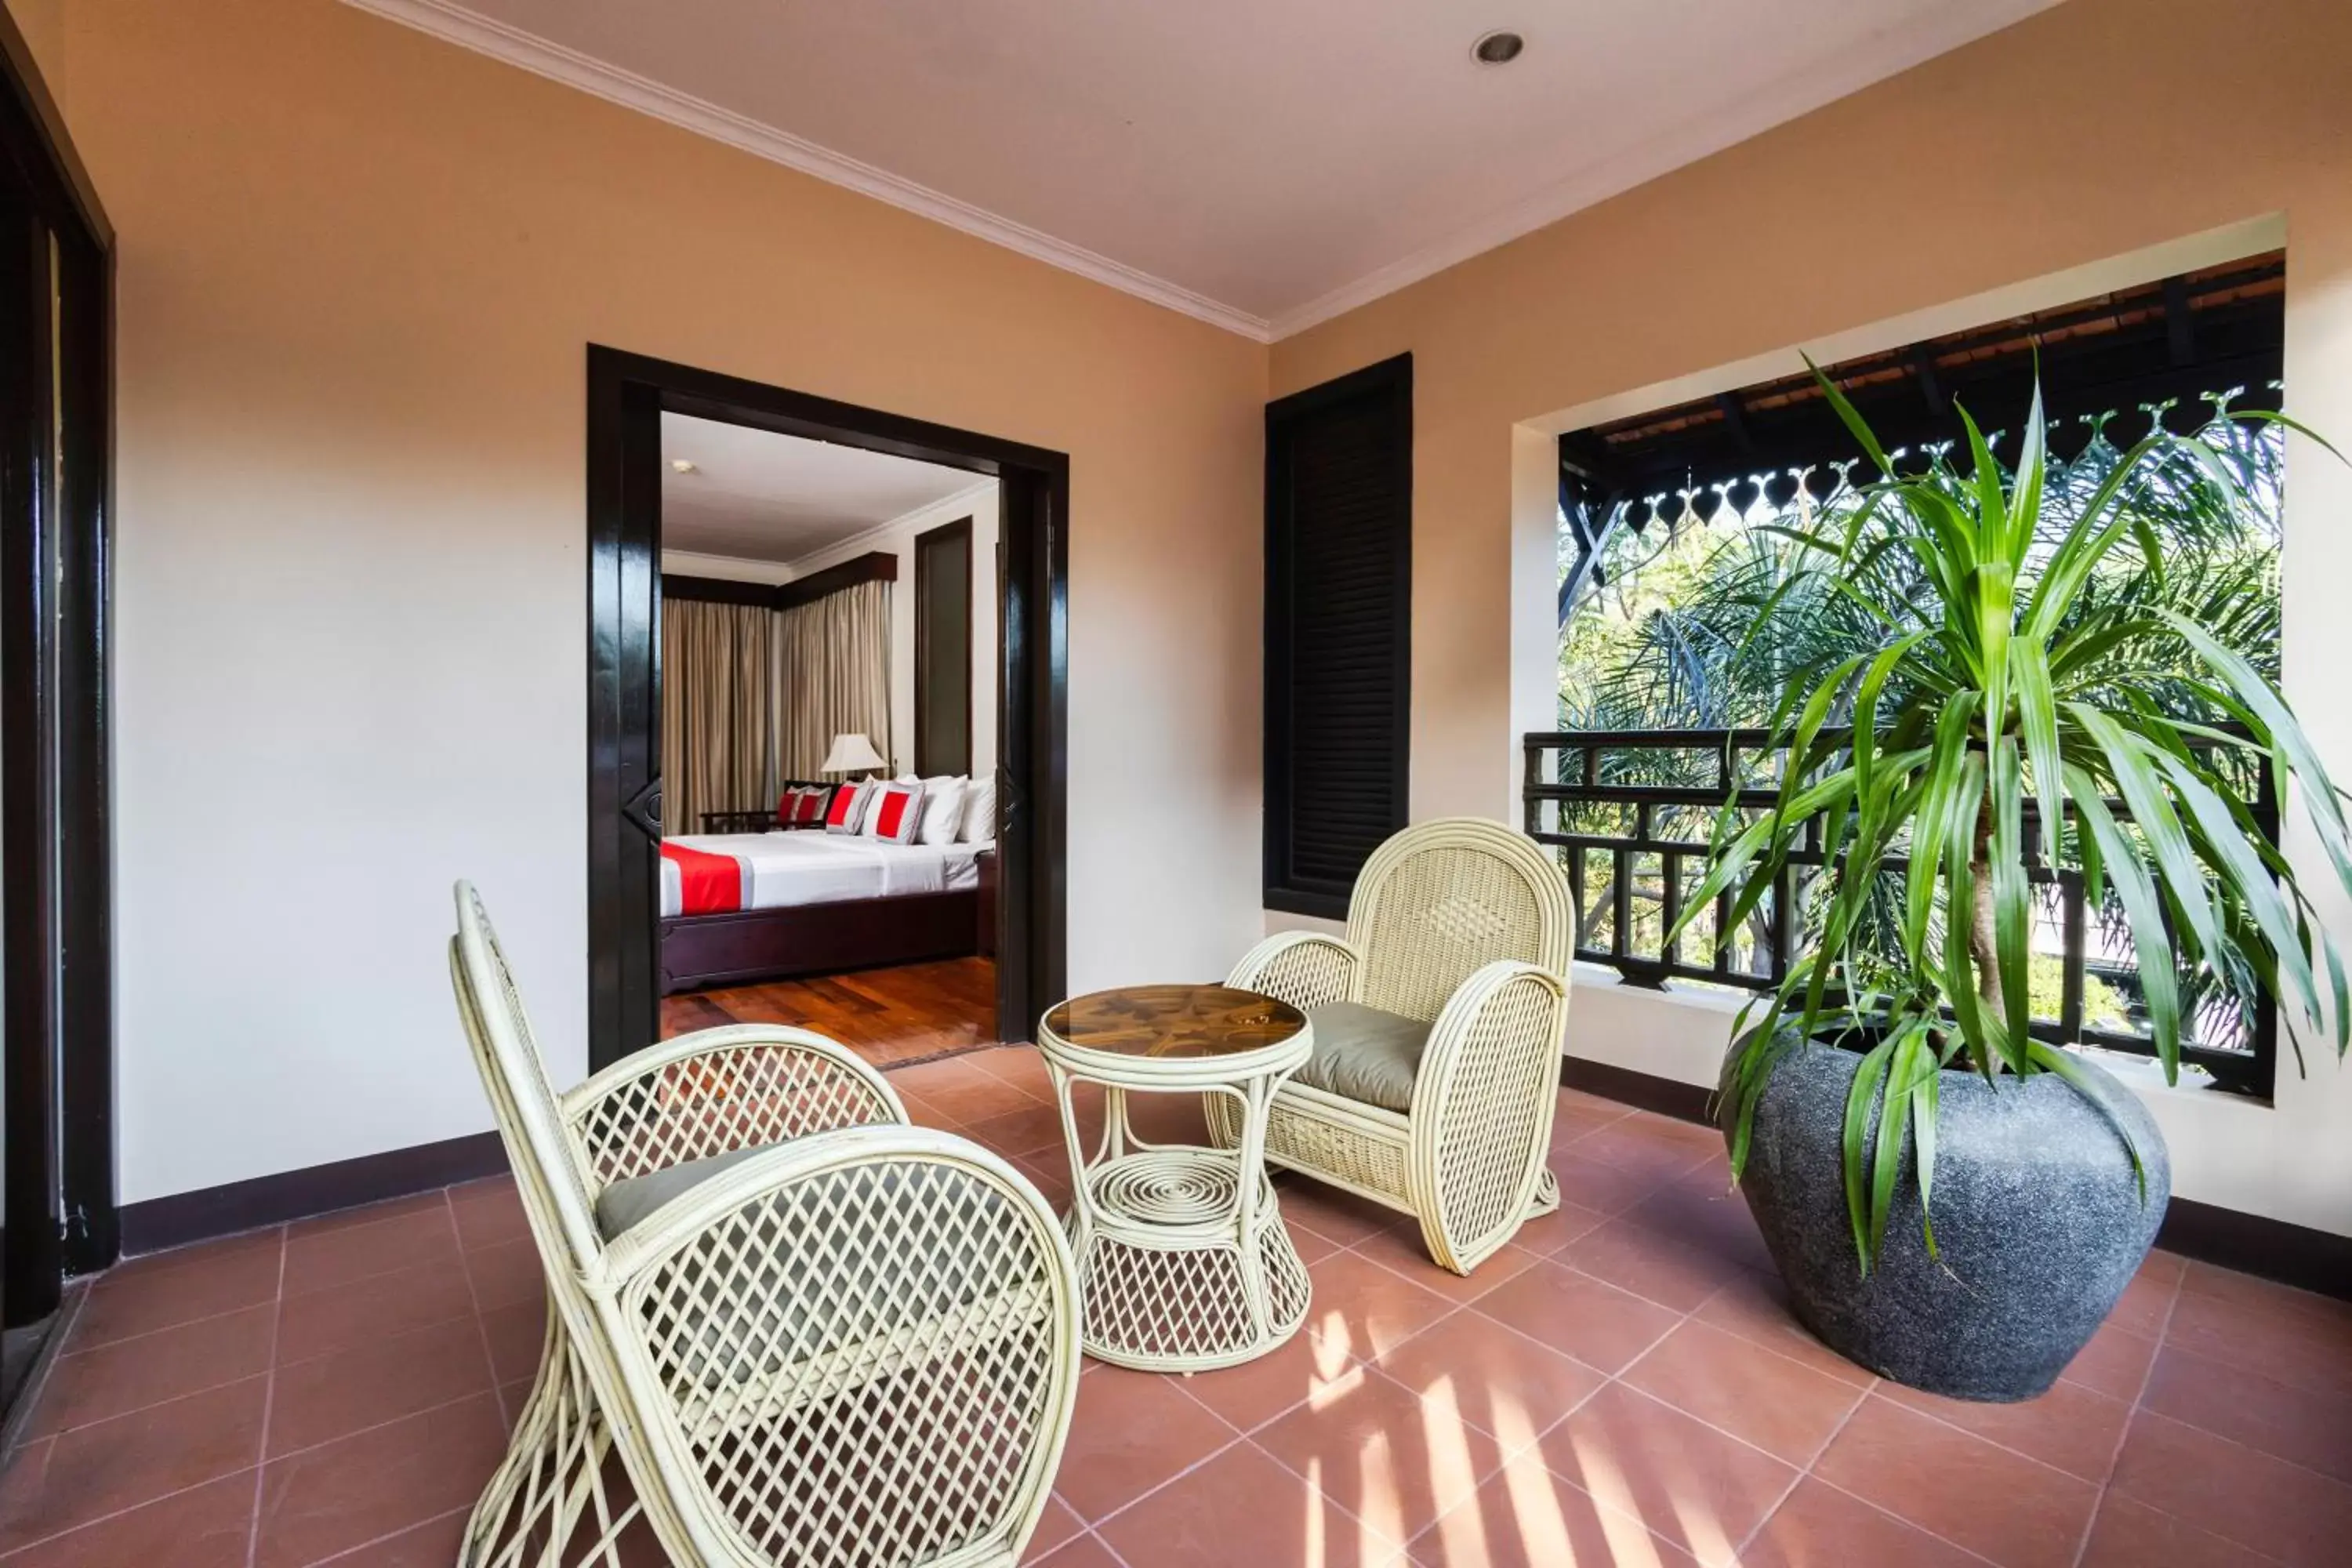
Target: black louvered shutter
[1339, 612]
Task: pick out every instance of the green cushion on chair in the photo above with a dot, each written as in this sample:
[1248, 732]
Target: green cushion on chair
[1364, 1054]
[628, 1200]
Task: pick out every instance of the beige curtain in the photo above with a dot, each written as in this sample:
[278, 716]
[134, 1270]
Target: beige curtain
[718, 710]
[833, 661]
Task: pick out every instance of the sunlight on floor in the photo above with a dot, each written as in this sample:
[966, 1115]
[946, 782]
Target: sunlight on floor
[1544, 1414]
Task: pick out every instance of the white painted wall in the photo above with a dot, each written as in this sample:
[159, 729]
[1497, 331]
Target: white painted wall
[980, 503]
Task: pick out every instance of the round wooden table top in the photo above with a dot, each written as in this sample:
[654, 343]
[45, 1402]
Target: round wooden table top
[1174, 1021]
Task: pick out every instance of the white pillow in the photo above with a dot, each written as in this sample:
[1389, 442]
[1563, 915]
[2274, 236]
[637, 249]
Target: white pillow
[979, 812]
[943, 801]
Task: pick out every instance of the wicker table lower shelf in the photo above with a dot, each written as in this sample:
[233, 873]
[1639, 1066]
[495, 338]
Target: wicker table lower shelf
[1168, 1281]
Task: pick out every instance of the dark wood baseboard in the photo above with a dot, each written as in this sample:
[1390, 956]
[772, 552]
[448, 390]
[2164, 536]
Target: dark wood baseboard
[2275, 1249]
[184, 1217]
[1666, 1096]
[2254, 1244]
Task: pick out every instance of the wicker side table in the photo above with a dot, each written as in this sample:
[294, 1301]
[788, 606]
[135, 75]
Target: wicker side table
[1182, 1260]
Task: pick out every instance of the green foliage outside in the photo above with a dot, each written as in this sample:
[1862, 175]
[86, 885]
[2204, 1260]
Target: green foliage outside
[1687, 634]
[1707, 624]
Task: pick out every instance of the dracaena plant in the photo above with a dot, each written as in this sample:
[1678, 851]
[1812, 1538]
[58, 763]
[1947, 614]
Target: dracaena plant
[2015, 691]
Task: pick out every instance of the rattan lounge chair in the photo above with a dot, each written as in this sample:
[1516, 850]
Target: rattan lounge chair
[809, 1332]
[1437, 1035]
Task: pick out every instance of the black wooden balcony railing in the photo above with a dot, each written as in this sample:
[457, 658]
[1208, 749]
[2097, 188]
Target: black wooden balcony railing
[1629, 812]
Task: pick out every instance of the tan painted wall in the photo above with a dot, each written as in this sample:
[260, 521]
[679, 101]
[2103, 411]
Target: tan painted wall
[43, 24]
[359, 269]
[2095, 129]
[2098, 128]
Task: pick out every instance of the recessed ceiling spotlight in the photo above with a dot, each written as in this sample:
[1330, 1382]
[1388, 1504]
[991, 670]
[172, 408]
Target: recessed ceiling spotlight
[684, 466]
[1498, 48]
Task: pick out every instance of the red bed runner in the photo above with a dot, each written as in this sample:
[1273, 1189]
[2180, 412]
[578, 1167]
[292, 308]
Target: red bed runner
[707, 884]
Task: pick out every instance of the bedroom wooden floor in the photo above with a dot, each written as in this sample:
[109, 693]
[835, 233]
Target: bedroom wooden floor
[886, 1016]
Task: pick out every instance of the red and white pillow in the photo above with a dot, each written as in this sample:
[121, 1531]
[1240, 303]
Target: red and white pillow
[803, 806]
[846, 811]
[896, 813]
[906, 810]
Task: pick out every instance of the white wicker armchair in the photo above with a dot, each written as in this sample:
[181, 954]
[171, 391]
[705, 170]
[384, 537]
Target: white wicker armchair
[1463, 926]
[837, 1340]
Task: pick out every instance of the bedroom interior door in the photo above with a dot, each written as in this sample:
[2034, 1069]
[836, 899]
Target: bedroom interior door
[627, 395]
[943, 623]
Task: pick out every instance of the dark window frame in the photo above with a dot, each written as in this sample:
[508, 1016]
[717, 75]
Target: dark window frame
[2175, 337]
[2170, 342]
[1386, 387]
[875, 566]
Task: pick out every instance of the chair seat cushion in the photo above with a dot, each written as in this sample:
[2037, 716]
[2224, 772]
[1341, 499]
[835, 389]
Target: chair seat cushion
[629, 1200]
[1365, 1053]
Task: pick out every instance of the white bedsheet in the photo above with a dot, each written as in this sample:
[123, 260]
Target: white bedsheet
[815, 868]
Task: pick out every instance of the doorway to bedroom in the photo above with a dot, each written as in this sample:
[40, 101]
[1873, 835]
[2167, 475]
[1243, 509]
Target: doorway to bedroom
[825, 678]
[827, 857]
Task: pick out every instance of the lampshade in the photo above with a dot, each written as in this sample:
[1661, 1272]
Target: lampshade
[851, 752]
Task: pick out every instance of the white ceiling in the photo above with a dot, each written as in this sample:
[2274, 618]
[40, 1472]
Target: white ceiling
[759, 496]
[1260, 163]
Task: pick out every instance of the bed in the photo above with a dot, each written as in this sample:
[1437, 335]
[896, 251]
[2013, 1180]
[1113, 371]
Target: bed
[742, 907]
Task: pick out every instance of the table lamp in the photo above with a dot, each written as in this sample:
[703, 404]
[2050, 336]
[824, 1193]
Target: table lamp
[851, 752]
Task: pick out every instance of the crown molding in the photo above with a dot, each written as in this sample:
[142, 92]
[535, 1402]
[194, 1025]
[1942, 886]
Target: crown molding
[732, 568]
[1886, 54]
[454, 23]
[879, 534]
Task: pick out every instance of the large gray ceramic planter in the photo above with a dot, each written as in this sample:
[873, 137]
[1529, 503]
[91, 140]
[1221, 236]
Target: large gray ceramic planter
[2038, 1216]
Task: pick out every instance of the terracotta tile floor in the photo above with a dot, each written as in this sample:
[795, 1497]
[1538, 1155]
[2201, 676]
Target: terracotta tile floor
[1623, 1387]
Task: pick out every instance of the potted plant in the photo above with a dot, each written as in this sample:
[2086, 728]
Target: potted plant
[1954, 1202]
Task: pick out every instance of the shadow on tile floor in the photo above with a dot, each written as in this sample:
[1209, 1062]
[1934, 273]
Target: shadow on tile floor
[1623, 1385]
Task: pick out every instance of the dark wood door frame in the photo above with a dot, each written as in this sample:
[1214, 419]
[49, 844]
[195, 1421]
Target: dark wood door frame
[947, 533]
[627, 394]
[55, 700]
